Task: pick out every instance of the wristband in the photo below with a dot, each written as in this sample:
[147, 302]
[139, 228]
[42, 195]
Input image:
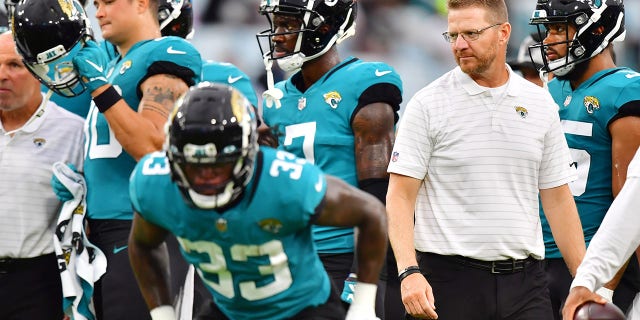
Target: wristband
[164, 312]
[408, 271]
[107, 99]
[605, 293]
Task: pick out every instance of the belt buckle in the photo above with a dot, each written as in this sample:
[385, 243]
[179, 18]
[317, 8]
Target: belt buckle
[501, 270]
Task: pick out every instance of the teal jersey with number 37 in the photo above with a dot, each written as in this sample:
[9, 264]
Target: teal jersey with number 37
[256, 258]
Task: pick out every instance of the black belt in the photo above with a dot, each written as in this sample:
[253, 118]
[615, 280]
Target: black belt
[497, 267]
[8, 265]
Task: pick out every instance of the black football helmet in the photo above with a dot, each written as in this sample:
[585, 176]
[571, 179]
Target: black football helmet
[212, 125]
[586, 16]
[176, 18]
[339, 15]
[48, 34]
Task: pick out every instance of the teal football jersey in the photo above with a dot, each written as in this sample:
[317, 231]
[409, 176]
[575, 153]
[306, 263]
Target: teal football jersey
[316, 125]
[229, 74]
[107, 165]
[585, 114]
[256, 258]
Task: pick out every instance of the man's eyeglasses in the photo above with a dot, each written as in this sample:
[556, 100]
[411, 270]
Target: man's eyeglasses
[466, 35]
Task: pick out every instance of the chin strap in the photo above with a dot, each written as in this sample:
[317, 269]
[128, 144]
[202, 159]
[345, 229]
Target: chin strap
[544, 76]
[272, 95]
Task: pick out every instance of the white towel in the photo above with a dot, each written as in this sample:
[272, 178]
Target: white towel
[81, 263]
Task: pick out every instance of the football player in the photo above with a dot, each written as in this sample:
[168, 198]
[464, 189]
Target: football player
[338, 114]
[132, 98]
[242, 215]
[600, 112]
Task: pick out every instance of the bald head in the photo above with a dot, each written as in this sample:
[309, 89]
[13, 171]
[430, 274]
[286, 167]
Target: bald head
[18, 87]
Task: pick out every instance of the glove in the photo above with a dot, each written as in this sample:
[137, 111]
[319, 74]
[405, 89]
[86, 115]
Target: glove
[59, 189]
[91, 62]
[605, 293]
[349, 288]
[163, 312]
[363, 304]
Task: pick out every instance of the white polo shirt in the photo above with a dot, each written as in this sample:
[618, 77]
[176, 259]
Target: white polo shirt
[28, 206]
[482, 160]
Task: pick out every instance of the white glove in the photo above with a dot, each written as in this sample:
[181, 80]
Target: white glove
[164, 312]
[605, 293]
[364, 300]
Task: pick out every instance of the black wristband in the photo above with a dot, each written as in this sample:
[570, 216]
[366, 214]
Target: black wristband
[107, 99]
[408, 271]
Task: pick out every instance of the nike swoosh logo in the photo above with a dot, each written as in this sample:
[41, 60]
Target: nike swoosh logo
[382, 73]
[118, 249]
[632, 75]
[170, 50]
[95, 66]
[318, 185]
[232, 79]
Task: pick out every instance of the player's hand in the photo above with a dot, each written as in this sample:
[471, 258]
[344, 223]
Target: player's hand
[578, 296]
[349, 288]
[59, 189]
[417, 297]
[91, 63]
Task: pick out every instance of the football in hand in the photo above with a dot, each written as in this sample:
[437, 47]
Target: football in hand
[595, 311]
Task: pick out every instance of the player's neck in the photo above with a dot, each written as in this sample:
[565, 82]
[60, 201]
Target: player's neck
[143, 34]
[314, 69]
[602, 61]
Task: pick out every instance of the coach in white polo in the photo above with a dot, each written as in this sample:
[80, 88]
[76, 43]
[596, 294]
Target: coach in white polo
[34, 134]
[473, 151]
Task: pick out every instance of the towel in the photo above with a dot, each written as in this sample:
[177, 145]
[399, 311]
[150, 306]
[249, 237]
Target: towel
[81, 263]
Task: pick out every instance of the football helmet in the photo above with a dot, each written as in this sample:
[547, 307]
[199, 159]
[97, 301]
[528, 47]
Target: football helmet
[586, 16]
[212, 126]
[313, 40]
[48, 34]
[176, 18]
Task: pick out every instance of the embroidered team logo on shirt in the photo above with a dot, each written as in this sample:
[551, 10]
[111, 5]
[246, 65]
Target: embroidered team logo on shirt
[591, 103]
[332, 98]
[270, 225]
[522, 111]
[39, 142]
[125, 66]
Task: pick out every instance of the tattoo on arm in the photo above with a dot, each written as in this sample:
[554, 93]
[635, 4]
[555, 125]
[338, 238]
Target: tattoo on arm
[159, 99]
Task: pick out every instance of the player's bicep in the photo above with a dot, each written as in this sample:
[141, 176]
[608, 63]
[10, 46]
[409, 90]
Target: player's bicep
[159, 94]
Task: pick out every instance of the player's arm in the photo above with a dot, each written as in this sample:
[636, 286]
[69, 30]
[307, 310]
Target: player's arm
[417, 294]
[562, 214]
[346, 206]
[150, 262]
[373, 131]
[142, 132]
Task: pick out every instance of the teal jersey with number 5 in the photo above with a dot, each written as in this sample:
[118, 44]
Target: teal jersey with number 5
[586, 113]
[316, 125]
[107, 165]
[256, 258]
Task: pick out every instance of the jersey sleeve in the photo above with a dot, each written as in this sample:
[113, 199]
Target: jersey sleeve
[227, 73]
[175, 56]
